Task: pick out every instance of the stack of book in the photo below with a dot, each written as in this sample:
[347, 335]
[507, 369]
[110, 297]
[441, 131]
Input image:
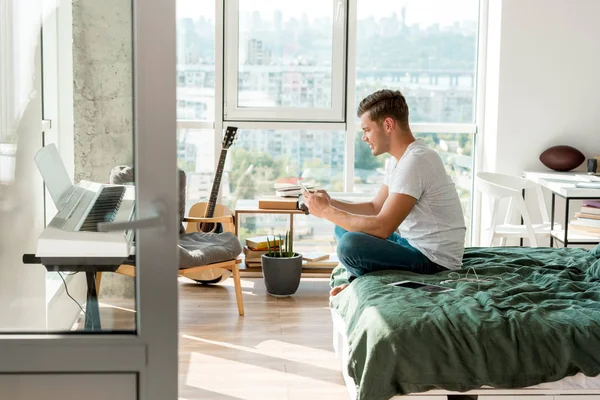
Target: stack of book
[256, 246]
[587, 221]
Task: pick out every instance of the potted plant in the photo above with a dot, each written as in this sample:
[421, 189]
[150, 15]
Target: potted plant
[281, 268]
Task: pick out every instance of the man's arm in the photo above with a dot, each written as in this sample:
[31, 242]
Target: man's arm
[372, 207]
[394, 210]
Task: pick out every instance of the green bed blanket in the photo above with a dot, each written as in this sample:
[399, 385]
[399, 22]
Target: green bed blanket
[535, 320]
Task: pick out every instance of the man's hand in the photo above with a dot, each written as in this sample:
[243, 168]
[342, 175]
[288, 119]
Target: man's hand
[324, 193]
[317, 203]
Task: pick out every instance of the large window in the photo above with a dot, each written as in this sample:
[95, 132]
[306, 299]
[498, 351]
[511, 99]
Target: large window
[293, 74]
[196, 156]
[427, 49]
[284, 60]
[260, 162]
[424, 48]
[264, 160]
[196, 60]
[456, 151]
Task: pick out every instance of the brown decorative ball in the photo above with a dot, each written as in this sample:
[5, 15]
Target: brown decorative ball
[562, 158]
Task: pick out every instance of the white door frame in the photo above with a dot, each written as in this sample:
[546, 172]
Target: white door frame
[151, 352]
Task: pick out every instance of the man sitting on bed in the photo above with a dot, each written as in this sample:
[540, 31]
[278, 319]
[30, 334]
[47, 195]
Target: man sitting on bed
[417, 198]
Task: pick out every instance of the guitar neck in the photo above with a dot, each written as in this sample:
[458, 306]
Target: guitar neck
[214, 193]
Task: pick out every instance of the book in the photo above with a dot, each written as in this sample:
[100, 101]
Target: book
[277, 203]
[589, 229]
[590, 210]
[331, 261]
[588, 216]
[260, 242]
[584, 230]
[315, 256]
[257, 264]
[291, 191]
[594, 223]
[592, 203]
[251, 254]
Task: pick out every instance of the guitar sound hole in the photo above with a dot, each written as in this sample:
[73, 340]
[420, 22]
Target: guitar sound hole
[210, 228]
[206, 227]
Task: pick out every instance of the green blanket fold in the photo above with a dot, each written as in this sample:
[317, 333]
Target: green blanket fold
[534, 317]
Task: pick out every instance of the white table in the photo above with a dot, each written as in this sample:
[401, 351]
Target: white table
[563, 184]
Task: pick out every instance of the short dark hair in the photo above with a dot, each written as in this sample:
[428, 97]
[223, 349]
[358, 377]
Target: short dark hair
[383, 104]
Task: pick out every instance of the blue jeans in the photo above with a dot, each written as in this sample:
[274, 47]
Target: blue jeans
[361, 253]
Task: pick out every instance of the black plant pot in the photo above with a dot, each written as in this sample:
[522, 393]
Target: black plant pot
[282, 274]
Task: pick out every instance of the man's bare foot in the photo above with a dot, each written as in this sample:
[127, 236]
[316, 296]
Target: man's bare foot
[338, 289]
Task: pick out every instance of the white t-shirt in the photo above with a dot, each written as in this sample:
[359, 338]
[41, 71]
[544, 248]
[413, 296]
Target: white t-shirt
[436, 225]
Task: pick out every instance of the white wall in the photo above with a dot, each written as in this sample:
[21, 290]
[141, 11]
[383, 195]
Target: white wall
[542, 82]
[549, 80]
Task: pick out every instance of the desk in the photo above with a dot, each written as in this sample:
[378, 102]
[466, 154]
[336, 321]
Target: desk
[562, 184]
[251, 207]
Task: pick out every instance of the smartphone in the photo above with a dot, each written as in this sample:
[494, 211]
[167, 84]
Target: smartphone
[421, 286]
[303, 187]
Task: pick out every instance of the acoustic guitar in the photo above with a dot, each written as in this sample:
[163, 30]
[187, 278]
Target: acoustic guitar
[211, 209]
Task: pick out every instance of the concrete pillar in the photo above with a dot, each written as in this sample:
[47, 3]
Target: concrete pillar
[103, 100]
[102, 87]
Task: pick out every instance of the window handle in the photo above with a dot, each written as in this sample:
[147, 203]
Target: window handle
[46, 125]
[338, 11]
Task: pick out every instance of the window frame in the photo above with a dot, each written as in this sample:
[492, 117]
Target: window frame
[348, 122]
[233, 112]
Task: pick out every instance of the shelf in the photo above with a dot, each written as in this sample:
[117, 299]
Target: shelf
[307, 272]
[251, 207]
[574, 237]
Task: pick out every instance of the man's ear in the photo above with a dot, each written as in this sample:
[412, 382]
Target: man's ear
[388, 124]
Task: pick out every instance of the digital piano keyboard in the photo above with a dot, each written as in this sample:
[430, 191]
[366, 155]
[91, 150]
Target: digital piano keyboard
[72, 236]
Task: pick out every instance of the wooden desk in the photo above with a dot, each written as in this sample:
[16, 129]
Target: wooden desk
[251, 207]
[562, 184]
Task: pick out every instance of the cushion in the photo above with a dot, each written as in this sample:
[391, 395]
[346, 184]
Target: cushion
[197, 248]
[125, 175]
[201, 248]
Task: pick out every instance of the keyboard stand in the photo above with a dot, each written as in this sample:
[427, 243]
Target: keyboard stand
[92, 309]
[87, 265]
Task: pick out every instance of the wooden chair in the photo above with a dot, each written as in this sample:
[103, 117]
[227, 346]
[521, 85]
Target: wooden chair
[204, 272]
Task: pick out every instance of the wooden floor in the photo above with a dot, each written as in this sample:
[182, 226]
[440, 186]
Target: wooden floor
[281, 349]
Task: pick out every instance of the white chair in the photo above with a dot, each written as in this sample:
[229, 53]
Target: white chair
[500, 187]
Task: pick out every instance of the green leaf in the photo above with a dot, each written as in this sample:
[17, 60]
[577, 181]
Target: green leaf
[287, 241]
[280, 246]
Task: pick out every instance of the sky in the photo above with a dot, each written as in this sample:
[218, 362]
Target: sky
[426, 12]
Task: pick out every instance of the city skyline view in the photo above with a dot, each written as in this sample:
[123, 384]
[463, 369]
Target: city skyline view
[284, 59]
[421, 12]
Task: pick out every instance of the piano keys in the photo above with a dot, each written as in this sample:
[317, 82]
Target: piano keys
[72, 234]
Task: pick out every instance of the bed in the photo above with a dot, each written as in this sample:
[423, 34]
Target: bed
[528, 326]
